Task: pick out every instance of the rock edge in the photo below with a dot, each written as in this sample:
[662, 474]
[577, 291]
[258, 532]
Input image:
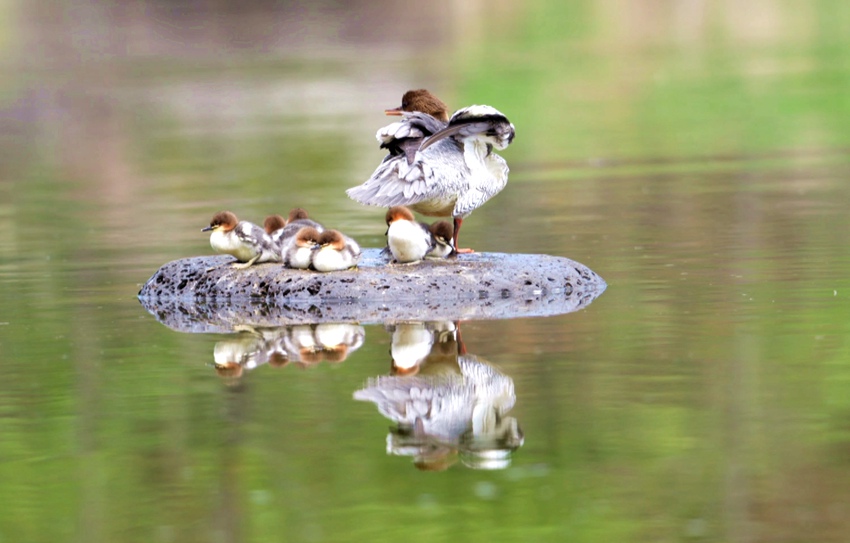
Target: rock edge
[478, 285]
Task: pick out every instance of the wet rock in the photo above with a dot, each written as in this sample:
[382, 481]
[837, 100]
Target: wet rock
[207, 292]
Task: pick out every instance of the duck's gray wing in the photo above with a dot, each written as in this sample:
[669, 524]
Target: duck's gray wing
[263, 243]
[444, 407]
[437, 172]
[255, 236]
[406, 176]
[406, 136]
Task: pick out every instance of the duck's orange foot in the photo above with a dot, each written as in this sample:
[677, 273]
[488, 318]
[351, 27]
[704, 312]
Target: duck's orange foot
[465, 251]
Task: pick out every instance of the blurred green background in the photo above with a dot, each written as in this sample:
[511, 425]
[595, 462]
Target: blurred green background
[694, 154]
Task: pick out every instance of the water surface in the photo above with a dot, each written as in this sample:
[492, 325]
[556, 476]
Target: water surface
[694, 156]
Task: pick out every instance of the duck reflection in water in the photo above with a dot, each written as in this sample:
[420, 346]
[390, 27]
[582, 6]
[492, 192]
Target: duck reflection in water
[304, 345]
[446, 403]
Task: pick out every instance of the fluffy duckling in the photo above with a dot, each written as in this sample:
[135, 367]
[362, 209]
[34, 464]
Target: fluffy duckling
[298, 219]
[274, 225]
[336, 252]
[409, 241]
[298, 253]
[281, 230]
[242, 239]
[443, 245]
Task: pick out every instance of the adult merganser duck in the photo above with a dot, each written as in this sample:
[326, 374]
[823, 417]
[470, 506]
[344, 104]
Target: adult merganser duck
[242, 239]
[299, 252]
[453, 170]
[409, 241]
[336, 252]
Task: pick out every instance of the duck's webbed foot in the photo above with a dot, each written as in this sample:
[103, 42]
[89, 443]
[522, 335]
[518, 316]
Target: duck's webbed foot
[243, 265]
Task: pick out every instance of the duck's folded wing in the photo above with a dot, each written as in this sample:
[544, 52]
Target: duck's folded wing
[253, 235]
[405, 137]
[396, 131]
[436, 172]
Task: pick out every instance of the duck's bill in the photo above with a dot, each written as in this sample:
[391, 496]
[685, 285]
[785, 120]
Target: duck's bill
[393, 111]
[442, 134]
[207, 229]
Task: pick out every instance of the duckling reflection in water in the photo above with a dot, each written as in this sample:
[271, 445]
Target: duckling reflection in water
[310, 344]
[303, 345]
[231, 357]
[446, 404]
[430, 348]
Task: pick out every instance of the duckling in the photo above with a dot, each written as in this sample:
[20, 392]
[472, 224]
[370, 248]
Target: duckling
[274, 225]
[298, 219]
[242, 239]
[298, 251]
[409, 241]
[336, 252]
[443, 244]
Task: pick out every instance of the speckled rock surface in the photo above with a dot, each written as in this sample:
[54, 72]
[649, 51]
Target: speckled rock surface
[205, 294]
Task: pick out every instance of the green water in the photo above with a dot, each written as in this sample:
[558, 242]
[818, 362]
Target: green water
[695, 155]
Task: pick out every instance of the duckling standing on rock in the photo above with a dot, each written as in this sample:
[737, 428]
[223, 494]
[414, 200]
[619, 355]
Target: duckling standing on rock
[336, 252]
[242, 239]
[453, 171]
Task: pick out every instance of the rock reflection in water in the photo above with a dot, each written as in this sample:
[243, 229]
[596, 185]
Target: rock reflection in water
[446, 403]
[303, 344]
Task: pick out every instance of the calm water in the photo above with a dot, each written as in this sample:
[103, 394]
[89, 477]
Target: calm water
[695, 156]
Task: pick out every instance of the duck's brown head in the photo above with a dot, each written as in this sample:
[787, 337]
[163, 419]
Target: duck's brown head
[333, 239]
[307, 237]
[422, 100]
[398, 213]
[223, 220]
[273, 222]
[297, 214]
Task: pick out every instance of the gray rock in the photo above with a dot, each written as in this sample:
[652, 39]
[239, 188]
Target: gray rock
[205, 294]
